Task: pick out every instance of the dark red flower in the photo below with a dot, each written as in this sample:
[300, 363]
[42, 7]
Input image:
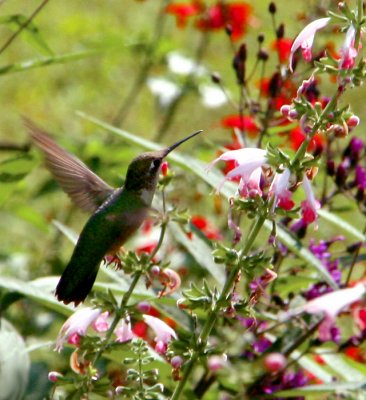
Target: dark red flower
[219, 16]
[183, 11]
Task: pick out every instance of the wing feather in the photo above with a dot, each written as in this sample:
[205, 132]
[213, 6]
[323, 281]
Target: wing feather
[85, 188]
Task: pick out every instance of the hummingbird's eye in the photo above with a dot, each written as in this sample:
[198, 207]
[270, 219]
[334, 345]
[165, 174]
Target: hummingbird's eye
[155, 165]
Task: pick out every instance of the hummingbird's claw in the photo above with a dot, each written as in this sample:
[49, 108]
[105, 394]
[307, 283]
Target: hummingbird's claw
[113, 259]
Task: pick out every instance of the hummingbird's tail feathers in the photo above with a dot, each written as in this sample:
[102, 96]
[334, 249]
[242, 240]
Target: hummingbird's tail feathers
[76, 283]
[85, 188]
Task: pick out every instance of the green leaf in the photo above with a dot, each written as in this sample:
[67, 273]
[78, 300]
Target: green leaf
[14, 363]
[30, 32]
[340, 365]
[39, 290]
[200, 251]
[342, 225]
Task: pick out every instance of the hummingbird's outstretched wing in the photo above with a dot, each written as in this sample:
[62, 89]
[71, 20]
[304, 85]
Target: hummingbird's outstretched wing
[85, 188]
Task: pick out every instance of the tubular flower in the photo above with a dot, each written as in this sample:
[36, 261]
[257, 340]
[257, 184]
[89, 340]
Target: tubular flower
[279, 189]
[76, 325]
[248, 168]
[164, 333]
[309, 206]
[305, 39]
[330, 305]
[123, 331]
[348, 51]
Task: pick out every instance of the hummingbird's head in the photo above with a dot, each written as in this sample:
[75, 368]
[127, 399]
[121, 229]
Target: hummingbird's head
[143, 172]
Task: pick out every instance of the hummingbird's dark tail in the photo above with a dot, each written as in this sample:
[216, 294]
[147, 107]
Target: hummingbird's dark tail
[76, 283]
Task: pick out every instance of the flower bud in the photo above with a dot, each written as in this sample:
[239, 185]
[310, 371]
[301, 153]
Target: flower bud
[155, 270]
[293, 114]
[176, 362]
[144, 307]
[275, 362]
[54, 376]
[353, 121]
[272, 7]
[216, 77]
[285, 109]
[164, 168]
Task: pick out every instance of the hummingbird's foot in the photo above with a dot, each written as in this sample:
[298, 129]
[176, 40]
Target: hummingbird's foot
[113, 259]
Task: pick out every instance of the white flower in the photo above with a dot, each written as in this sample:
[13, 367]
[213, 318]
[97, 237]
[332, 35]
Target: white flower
[183, 65]
[212, 96]
[165, 90]
[330, 305]
[348, 51]
[163, 331]
[77, 324]
[305, 39]
[309, 206]
[123, 331]
[249, 162]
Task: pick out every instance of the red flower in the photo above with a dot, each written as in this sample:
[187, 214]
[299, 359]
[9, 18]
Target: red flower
[206, 227]
[356, 353]
[283, 47]
[235, 15]
[297, 137]
[182, 11]
[244, 123]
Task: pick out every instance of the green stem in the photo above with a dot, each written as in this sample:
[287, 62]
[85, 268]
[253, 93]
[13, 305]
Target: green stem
[212, 317]
[328, 108]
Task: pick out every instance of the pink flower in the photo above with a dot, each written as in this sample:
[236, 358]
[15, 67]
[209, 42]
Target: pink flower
[348, 52]
[76, 325]
[101, 324]
[216, 362]
[305, 39]
[123, 331]
[249, 162]
[279, 189]
[309, 206]
[164, 333]
[275, 362]
[330, 305]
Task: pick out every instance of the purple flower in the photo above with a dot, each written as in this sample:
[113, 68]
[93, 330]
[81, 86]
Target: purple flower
[360, 177]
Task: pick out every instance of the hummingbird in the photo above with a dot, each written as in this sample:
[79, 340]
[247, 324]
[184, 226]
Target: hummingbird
[116, 213]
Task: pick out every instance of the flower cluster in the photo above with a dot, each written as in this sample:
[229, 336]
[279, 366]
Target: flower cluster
[234, 17]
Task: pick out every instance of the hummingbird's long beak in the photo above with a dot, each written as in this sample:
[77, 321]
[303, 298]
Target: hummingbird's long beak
[175, 145]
